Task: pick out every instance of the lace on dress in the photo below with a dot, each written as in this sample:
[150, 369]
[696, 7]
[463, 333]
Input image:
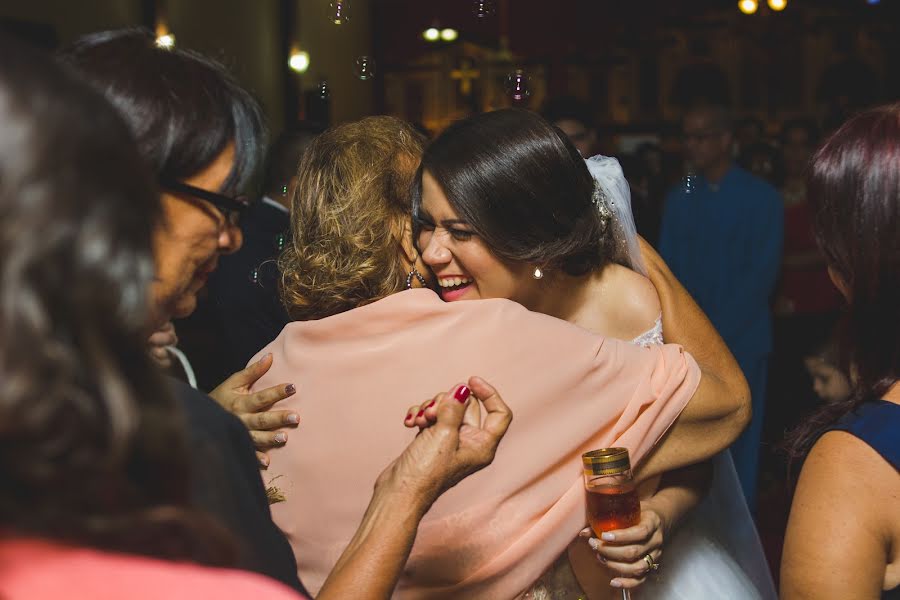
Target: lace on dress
[652, 337]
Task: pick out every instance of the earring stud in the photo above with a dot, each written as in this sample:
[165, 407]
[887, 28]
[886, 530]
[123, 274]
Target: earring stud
[538, 273]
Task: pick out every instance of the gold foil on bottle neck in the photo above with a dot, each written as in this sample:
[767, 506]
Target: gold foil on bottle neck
[606, 461]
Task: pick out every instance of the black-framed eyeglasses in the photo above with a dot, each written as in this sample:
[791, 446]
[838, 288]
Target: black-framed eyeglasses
[231, 208]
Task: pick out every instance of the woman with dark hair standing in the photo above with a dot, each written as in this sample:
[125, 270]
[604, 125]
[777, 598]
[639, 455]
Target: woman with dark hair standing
[843, 537]
[202, 136]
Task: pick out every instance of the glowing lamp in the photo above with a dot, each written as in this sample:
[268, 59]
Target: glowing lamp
[748, 7]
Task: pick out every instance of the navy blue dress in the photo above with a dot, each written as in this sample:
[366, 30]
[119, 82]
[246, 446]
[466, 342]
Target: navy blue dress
[877, 423]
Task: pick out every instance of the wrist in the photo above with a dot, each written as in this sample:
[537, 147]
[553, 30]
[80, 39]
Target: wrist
[394, 490]
[662, 511]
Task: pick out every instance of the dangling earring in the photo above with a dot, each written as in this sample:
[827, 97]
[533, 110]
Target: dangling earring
[538, 273]
[415, 273]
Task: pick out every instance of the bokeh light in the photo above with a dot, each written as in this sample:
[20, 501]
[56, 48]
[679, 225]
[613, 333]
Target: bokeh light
[299, 61]
[748, 7]
[518, 86]
[364, 67]
[339, 11]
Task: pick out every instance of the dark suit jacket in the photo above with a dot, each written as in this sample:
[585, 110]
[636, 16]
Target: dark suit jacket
[240, 311]
[226, 484]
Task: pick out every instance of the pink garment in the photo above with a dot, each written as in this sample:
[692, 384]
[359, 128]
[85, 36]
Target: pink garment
[38, 570]
[496, 532]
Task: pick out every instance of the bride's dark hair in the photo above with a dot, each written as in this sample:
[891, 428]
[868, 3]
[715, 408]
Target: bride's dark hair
[522, 186]
[854, 188]
[91, 450]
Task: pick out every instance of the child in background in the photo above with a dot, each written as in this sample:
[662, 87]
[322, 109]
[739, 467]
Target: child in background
[830, 383]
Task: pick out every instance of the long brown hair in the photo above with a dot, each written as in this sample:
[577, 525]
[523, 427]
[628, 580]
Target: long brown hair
[854, 188]
[91, 449]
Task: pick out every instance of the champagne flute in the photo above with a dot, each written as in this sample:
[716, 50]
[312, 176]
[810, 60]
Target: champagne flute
[612, 498]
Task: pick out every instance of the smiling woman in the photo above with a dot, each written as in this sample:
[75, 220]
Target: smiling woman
[530, 199]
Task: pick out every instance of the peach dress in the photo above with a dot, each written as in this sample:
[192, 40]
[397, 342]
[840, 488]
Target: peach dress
[496, 532]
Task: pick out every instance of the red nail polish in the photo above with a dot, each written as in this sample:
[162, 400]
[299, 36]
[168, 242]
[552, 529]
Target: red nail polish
[408, 417]
[430, 404]
[421, 412]
[462, 394]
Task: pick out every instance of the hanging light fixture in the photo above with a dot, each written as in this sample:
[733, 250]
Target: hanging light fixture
[778, 5]
[748, 7]
[299, 61]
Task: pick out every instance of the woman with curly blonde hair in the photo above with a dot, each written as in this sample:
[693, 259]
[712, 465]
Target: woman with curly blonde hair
[495, 533]
[355, 181]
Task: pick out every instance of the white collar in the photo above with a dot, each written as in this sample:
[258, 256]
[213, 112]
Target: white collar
[274, 203]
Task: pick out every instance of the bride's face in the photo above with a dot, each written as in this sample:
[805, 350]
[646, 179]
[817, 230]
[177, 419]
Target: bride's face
[464, 266]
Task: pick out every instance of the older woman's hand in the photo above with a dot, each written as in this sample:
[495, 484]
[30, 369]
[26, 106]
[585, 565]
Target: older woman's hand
[456, 444]
[252, 409]
[625, 551]
[159, 340]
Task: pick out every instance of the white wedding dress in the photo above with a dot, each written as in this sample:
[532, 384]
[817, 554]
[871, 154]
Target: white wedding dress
[715, 552]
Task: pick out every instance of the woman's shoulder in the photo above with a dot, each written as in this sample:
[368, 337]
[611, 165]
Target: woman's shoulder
[630, 299]
[845, 466]
[38, 569]
[877, 423]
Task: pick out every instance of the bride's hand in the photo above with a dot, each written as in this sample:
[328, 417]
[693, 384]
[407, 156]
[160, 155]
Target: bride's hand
[623, 551]
[252, 409]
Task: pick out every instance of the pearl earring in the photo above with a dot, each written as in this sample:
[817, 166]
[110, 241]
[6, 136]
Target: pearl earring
[538, 273]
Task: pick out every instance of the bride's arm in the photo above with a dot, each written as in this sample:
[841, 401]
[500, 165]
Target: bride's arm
[720, 408]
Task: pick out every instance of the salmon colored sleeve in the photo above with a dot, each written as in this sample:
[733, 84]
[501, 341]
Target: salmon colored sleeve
[495, 532]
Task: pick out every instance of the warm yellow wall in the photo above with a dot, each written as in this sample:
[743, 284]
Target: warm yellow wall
[333, 49]
[244, 34]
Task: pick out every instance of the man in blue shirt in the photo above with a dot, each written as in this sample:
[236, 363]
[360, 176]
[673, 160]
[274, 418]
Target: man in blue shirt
[722, 235]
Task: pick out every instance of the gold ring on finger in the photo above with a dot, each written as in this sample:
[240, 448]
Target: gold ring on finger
[651, 564]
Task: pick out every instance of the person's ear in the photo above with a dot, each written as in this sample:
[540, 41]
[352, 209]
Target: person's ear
[839, 282]
[404, 235]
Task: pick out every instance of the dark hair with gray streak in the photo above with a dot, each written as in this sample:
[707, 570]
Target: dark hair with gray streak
[183, 107]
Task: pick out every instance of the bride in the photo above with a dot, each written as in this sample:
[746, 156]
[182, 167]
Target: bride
[493, 222]
[364, 348]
